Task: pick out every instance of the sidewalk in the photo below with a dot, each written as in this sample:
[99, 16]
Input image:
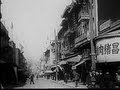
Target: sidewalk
[70, 84]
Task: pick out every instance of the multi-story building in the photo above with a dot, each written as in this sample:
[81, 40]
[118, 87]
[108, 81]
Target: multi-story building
[76, 36]
[47, 58]
[7, 63]
[21, 65]
[91, 29]
[50, 55]
[9, 60]
[67, 33]
[6, 58]
[108, 41]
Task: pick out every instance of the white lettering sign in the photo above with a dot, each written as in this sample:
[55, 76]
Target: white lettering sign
[108, 50]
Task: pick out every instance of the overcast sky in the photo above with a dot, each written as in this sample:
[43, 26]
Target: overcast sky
[33, 21]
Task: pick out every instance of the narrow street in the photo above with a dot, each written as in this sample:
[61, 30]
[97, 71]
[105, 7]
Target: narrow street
[46, 84]
[65, 44]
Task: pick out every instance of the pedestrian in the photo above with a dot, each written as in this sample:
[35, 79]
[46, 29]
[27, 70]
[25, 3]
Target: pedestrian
[88, 79]
[83, 77]
[76, 78]
[117, 83]
[65, 77]
[32, 79]
[99, 81]
[37, 76]
[98, 77]
[91, 80]
[107, 80]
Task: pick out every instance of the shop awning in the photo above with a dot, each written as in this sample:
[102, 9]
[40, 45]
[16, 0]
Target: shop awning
[48, 71]
[53, 68]
[82, 61]
[60, 67]
[74, 59]
[62, 62]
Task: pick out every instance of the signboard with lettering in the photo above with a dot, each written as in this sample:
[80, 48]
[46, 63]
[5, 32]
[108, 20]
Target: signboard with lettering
[108, 50]
[105, 25]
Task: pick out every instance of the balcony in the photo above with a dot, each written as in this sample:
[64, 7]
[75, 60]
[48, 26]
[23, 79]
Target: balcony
[81, 38]
[82, 34]
[67, 32]
[83, 15]
[65, 50]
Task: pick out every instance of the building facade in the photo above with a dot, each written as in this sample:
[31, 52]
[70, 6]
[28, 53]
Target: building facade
[107, 42]
[89, 38]
[9, 58]
[91, 33]
[76, 35]
[6, 58]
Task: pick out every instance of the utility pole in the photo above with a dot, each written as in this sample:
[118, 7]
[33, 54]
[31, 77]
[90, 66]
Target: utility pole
[92, 33]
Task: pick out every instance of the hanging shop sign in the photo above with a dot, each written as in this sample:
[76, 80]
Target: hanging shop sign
[108, 49]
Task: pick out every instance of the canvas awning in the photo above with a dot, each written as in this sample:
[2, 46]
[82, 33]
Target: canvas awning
[55, 67]
[62, 62]
[74, 59]
[48, 71]
[60, 67]
[81, 62]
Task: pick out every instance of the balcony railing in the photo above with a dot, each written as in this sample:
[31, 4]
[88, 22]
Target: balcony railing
[65, 50]
[67, 32]
[81, 37]
[83, 15]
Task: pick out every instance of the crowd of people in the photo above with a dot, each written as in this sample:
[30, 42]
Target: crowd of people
[95, 79]
[98, 79]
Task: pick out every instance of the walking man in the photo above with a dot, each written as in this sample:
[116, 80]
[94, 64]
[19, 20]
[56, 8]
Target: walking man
[65, 77]
[76, 78]
[32, 79]
[108, 80]
[37, 76]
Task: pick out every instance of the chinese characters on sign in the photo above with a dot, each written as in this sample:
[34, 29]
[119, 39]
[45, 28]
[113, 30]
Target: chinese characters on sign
[108, 48]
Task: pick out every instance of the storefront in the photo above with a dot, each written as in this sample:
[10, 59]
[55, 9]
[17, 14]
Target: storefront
[84, 65]
[67, 64]
[108, 52]
[57, 69]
